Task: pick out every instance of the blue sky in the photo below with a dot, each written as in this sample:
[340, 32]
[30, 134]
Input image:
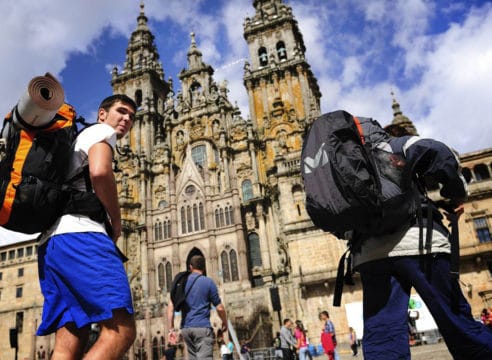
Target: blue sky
[436, 56]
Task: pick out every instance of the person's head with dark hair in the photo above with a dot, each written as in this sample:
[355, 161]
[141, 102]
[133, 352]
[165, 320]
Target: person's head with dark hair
[117, 111]
[300, 326]
[197, 262]
[323, 315]
[111, 100]
[287, 322]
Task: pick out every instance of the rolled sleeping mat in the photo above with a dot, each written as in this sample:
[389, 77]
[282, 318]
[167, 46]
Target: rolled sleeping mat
[38, 106]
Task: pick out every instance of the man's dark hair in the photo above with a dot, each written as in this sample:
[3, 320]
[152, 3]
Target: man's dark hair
[198, 262]
[324, 313]
[111, 100]
[286, 321]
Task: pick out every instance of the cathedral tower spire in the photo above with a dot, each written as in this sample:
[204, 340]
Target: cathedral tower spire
[141, 53]
[400, 119]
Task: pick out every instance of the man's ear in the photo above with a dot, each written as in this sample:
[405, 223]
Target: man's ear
[101, 115]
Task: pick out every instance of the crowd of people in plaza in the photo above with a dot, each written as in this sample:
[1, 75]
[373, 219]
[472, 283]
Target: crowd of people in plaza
[292, 341]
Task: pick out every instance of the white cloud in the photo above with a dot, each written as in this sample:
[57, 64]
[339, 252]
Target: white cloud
[351, 71]
[453, 98]
[37, 37]
[8, 237]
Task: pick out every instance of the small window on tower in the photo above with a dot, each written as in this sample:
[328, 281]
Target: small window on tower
[138, 98]
[281, 51]
[263, 57]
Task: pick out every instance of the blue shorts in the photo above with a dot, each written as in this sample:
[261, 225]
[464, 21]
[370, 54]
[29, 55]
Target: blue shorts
[82, 279]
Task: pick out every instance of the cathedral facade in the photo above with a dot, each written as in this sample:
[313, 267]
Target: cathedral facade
[198, 178]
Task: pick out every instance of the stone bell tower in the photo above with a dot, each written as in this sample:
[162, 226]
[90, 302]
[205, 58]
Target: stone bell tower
[283, 93]
[142, 78]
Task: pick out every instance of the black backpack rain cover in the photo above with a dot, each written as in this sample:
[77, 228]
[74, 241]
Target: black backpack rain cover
[351, 182]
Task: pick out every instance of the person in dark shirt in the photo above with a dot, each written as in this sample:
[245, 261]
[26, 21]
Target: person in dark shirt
[196, 329]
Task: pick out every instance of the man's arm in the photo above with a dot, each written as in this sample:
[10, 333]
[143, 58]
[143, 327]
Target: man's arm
[223, 316]
[172, 337]
[100, 158]
[433, 158]
[288, 337]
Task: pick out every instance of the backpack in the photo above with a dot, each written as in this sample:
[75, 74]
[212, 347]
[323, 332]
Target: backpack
[32, 172]
[277, 342]
[178, 289]
[353, 181]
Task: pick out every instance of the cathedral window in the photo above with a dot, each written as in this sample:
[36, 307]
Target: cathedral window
[156, 231]
[189, 219]
[169, 276]
[167, 229]
[202, 216]
[190, 190]
[192, 219]
[217, 219]
[195, 217]
[281, 51]
[262, 56]
[482, 229]
[229, 216]
[160, 276]
[226, 274]
[229, 266]
[221, 217]
[224, 216]
[234, 270]
[183, 220]
[164, 276]
[254, 250]
[196, 87]
[138, 98]
[247, 189]
[199, 155]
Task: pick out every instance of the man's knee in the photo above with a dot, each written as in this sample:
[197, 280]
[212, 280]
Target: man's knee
[121, 327]
[70, 341]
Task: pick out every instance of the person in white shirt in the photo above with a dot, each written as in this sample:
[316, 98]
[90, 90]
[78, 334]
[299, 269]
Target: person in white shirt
[81, 272]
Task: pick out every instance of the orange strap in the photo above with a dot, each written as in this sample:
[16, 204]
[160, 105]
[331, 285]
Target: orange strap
[23, 149]
[359, 128]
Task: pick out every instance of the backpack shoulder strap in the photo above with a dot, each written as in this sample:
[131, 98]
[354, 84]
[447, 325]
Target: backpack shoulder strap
[359, 129]
[193, 283]
[454, 271]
